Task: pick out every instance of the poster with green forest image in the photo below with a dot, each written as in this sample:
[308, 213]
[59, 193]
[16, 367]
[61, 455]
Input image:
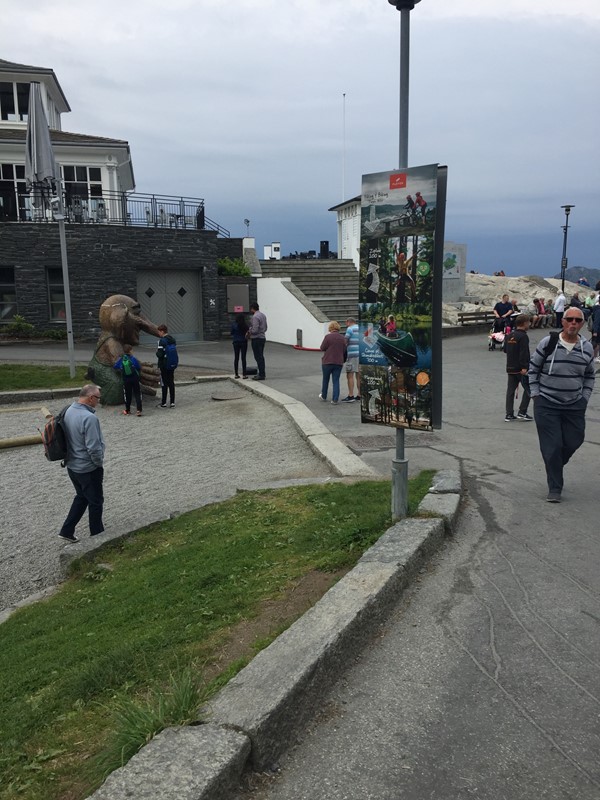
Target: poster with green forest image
[397, 254]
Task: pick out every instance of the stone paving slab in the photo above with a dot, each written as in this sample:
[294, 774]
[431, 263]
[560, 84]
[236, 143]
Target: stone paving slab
[196, 763]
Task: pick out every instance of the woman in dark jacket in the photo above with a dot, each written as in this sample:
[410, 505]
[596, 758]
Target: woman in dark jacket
[239, 329]
[334, 347]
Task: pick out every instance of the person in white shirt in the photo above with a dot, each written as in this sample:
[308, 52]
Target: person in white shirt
[559, 308]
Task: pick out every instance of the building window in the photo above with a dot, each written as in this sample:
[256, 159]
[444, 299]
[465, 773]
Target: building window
[8, 294]
[14, 101]
[83, 193]
[56, 294]
[14, 204]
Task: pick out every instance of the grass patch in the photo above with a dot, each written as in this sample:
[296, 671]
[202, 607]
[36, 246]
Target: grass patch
[88, 676]
[14, 377]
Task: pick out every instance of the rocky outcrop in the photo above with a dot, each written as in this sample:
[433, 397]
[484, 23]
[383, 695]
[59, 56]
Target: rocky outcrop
[484, 291]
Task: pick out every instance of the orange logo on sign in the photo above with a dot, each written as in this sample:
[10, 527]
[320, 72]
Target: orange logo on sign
[398, 180]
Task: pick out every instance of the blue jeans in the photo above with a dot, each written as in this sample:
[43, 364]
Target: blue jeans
[89, 494]
[332, 371]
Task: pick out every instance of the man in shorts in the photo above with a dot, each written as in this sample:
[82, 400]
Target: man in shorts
[351, 365]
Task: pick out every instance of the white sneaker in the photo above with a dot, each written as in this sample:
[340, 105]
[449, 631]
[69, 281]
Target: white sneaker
[324, 399]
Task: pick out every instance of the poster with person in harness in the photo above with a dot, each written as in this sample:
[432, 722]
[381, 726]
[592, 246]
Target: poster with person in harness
[402, 213]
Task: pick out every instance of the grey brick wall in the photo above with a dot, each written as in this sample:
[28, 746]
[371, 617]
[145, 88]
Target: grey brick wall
[103, 260]
[225, 318]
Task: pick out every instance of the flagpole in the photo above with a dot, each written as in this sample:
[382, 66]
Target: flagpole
[59, 216]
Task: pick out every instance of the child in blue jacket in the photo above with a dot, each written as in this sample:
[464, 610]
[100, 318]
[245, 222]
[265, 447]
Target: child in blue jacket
[130, 369]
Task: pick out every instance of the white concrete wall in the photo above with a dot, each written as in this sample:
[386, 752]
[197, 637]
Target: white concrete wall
[285, 314]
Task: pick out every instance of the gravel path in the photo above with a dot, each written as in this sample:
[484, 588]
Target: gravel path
[166, 462]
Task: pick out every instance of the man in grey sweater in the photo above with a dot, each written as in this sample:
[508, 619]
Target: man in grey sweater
[561, 379]
[85, 447]
[256, 334]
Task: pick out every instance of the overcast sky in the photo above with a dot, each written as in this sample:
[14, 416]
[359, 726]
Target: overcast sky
[241, 103]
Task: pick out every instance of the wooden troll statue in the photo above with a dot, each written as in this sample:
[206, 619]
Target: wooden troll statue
[121, 322]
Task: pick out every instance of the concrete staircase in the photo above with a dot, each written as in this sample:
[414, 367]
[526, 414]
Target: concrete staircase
[332, 285]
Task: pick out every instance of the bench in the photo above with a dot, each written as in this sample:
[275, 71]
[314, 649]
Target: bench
[466, 317]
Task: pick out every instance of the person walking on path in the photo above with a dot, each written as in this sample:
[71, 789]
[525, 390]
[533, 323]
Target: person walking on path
[351, 336]
[166, 353]
[561, 380]
[559, 308]
[239, 329]
[334, 354]
[130, 369]
[85, 447]
[516, 346]
[256, 334]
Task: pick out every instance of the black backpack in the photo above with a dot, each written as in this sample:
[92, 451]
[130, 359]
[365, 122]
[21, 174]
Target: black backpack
[54, 438]
[551, 346]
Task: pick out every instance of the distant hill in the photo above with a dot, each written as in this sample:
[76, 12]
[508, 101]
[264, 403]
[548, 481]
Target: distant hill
[574, 273]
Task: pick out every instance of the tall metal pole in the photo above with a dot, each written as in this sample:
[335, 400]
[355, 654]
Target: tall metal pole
[404, 87]
[343, 147]
[563, 263]
[59, 216]
[400, 463]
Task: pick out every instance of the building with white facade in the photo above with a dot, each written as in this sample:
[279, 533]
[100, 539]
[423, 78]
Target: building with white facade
[162, 250]
[348, 229]
[93, 169]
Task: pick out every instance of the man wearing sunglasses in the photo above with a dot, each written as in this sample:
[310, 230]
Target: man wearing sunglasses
[85, 447]
[561, 379]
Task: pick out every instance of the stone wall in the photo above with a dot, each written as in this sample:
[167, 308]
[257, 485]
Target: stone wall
[226, 318]
[103, 260]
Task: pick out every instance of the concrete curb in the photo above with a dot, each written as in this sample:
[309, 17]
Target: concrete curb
[250, 721]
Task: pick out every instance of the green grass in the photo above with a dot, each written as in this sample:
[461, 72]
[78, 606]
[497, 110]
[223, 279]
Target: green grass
[89, 675]
[14, 377]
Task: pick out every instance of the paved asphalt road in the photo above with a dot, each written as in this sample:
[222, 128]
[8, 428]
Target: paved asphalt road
[485, 682]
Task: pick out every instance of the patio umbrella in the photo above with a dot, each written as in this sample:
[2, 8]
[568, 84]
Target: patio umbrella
[41, 172]
[42, 180]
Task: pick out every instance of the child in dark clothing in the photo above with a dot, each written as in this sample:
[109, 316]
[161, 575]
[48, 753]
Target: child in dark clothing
[516, 346]
[130, 369]
[166, 353]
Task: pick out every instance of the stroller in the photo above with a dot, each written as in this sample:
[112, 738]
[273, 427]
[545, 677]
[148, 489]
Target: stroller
[497, 335]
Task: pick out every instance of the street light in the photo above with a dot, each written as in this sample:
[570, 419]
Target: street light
[563, 263]
[400, 462]
[404, 7]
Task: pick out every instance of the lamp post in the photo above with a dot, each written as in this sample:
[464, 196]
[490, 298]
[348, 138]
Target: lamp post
[563, 263]
[404, 7]
[400, 463]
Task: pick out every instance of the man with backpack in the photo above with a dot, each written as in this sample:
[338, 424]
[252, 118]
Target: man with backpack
[168, 360]
[561, 380]
[130, 369]
[85, 448]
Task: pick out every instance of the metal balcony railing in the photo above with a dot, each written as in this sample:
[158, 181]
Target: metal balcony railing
[118, 208]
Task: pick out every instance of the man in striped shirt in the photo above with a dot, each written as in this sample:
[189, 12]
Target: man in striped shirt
[351, 364]
[561, 379]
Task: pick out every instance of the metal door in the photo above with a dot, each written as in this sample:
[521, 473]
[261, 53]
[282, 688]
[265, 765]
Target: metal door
[172, 297]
